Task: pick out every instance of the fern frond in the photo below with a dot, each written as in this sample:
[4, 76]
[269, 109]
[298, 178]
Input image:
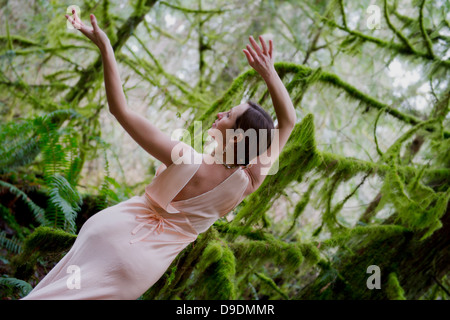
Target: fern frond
[38, 212]
[66, 199]
[24, 286]
[74, 162]
[22, 140]
[19, 146]
[105, 190]
[13, 245]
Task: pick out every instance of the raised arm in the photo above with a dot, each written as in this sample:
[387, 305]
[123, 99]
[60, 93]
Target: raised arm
[261, 59]
[148, 136]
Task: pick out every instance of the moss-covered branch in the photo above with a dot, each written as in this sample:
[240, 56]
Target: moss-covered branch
[396, 31]
[188, 10]
[398, 48]
[425, 36]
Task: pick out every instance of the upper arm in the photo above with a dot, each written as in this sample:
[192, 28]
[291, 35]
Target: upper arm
[259, 169]
[147, 135]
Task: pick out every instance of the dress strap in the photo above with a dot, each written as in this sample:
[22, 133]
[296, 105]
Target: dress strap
[167, 184]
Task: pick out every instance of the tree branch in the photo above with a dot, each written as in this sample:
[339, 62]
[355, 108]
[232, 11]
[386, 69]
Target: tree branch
[401, 49]
[428, 43]
[394, 29]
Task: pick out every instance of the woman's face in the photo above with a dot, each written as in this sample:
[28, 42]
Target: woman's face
[226, 120]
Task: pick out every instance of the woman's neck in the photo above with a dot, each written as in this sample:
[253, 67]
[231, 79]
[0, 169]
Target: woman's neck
[223, 160]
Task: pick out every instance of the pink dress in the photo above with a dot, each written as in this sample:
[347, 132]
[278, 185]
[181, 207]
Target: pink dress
[121, 251]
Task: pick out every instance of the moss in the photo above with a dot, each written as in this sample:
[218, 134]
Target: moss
[43, 242]
[392, 154]
[301, 205]
[225, 228]
[286, 255]
[373, 231]
[428, 43]
[268, 282]
[212, 253]
[417, 207]
[345, 275]
[310, 252]
[216, 272]
[393, 289]
[395, 30]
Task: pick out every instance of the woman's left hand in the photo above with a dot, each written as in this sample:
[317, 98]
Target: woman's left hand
[260, 59]
[95, 34]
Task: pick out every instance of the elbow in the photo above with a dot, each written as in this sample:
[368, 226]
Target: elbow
[293, 121]
[117, 114]
[288, 123]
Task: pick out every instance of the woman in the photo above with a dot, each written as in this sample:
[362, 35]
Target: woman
[123, 250]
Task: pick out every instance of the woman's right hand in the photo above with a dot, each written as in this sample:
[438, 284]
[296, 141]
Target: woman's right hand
[95, 34]
[260, 59]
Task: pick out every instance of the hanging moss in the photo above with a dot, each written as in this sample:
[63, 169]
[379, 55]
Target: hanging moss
[421, 209]
[393, 289]
[301, 205]
[232, 232]
[310, 252]
[216, 270]
[265, 280]
[374, 231]
[280, 253]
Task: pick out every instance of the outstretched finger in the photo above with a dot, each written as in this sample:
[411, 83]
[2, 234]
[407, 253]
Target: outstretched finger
[94, 23]
[77, 19]
[255, 45]
[75, 24]
[249, 56]
[270, 48]
[263, 44]
[252, 53]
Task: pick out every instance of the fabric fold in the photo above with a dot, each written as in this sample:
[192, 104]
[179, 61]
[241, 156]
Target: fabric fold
[169, 183]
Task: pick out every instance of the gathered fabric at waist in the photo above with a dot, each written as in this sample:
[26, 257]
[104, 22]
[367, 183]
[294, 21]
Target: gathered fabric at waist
[158, 221]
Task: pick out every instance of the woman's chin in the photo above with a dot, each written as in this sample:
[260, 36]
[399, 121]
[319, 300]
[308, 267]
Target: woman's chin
[214, 132]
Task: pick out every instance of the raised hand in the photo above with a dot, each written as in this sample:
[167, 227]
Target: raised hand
[95, 34]
[260, 59]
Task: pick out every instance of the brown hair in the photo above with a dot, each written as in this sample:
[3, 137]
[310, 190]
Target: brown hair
[255, 117]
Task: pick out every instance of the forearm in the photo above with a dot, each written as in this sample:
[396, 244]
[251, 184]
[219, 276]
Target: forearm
[113, 85]
[281, 100]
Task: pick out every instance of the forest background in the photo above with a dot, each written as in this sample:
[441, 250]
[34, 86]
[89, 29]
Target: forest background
[362, 188]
